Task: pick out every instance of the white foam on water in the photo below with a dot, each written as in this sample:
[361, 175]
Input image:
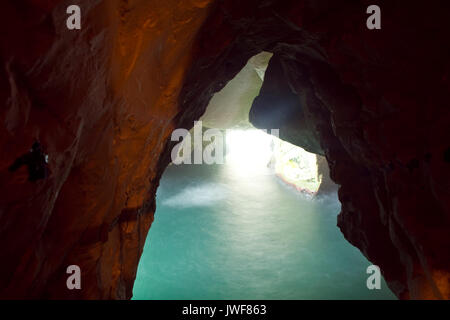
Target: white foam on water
[197, 196]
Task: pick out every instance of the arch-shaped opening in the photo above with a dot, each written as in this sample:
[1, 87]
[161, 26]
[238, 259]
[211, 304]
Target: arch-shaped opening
[102, 101]
[262, 225]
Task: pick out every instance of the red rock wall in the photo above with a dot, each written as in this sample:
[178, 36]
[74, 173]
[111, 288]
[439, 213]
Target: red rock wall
[104, 100]
[101, 101]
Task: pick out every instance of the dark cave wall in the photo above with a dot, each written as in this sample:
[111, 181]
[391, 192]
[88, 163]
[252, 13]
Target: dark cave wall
[374, 102]
[103, 103]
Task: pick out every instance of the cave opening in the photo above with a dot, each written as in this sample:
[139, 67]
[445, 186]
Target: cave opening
[260, 226]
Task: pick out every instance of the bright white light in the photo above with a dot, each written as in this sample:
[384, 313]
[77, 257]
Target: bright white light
[248, 149]
[254, 152]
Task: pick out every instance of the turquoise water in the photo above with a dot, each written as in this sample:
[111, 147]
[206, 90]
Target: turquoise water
[221, 232]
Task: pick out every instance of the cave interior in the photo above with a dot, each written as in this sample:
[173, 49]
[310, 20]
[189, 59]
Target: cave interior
[88, 114]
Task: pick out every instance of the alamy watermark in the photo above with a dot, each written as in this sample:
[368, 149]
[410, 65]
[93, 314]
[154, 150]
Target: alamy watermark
[374, 20]
[73, 282]
[374, 280]
[203, 146]
[73, 22]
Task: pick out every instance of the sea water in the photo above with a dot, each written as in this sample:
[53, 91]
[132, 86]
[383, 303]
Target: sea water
[225, 232]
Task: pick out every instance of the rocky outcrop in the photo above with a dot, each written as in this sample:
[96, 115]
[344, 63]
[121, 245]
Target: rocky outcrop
[279, 106]
[230, 107]
[327, 185]
[103, 101]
